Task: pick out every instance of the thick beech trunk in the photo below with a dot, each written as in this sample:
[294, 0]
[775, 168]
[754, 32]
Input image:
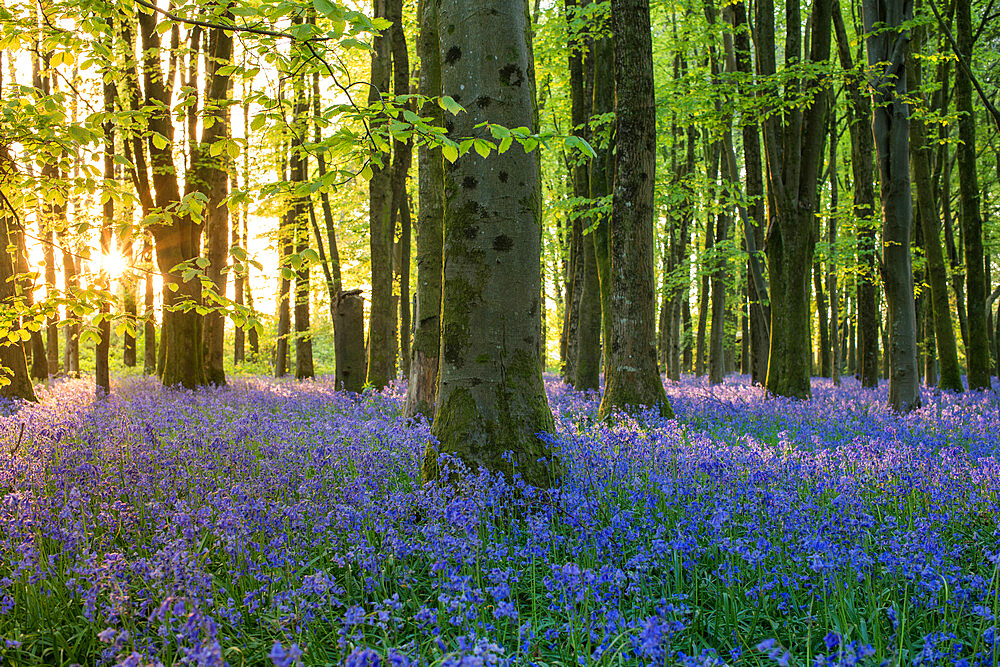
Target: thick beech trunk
[149, 316]
[491, 402]
[633, 379]
[421, 392]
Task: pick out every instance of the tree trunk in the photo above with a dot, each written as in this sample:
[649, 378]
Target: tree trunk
[14, 379]
[831, 262]
[888, 43]
[212, 177]
[491, 401]
[34, 347]
[793, 152]
[178, 239]
[921, 157]
[421, 392]
[602, 171]
[102, 372]
[977, 345]
[381, 320]
[149, 316]
[759, 309]
[862, 149]
[633, 379]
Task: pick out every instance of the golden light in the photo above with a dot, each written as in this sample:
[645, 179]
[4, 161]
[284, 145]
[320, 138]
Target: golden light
[113, 263]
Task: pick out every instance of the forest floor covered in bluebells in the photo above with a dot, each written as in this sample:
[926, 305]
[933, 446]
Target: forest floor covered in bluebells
[277, 523]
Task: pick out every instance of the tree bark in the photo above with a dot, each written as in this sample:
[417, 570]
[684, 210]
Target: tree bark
[381, 320]
[149, 316]
[888, 44]
[421, 392]
[921, 157]
[491, 401]
[977, 350]
[831, 262]
[602, 171]
[15, 382]
[862, 150]
[212, 177]
[633, 379]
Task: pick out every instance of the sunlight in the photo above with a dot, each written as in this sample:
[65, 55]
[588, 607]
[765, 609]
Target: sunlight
[113, 263]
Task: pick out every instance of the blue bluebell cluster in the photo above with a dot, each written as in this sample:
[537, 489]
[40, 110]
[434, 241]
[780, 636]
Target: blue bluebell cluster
[281, 523]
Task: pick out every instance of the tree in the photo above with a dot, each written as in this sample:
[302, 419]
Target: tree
[888, 44]
[491, 402]
[633, 379]
[421, 390]
[381, 321]
[921, 158]
[14, 382]
[977, 350]
[793, 143]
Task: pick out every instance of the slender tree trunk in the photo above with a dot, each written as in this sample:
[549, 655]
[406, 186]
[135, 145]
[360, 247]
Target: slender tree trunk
[704, 289]
[633, 379]
[602, 171]
[101, 366]
[977, 344]
[421, 392]
[149, 316]
[921, 157]
[831, 262]
[491, 402]
[381, 322]
[862, 150]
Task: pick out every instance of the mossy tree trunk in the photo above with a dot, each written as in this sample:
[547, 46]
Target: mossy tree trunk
[921, 157]
[633, 379]
[491, 401]
[888, 45]
[421, 391]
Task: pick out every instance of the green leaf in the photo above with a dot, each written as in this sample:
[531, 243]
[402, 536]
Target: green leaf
[482, 147]
[159, 140]
[448, 103]
[450, 152]
[504, 145]
[258, 122]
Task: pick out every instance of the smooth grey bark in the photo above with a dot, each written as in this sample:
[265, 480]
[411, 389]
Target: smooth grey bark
[491, 402]
[888, 46]
[633, 379]
[421, 391]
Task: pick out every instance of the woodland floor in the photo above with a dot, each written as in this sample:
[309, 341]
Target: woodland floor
[275, 522]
